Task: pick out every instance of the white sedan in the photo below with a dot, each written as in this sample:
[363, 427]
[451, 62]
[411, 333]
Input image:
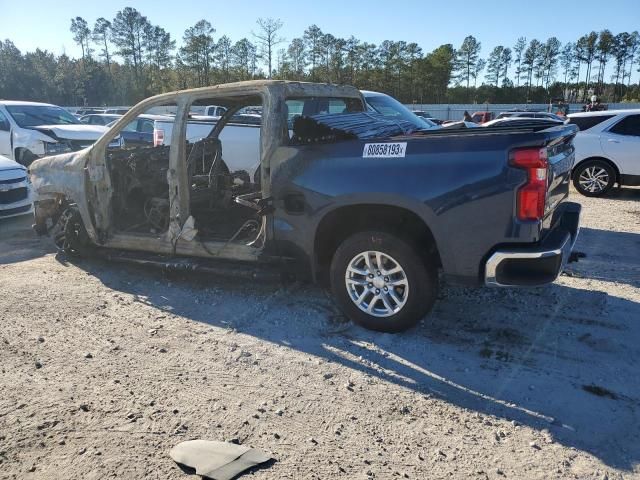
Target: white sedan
[15, 189]
[607, 150]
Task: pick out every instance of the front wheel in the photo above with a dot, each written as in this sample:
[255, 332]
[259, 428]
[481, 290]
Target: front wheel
[69, 234]
[594, 178]
[381, 283]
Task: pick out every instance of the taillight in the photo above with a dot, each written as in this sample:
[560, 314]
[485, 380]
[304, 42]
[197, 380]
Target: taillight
[531, 197]
[158, 137]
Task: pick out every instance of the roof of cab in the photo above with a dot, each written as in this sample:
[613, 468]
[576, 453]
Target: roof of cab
[256, 86]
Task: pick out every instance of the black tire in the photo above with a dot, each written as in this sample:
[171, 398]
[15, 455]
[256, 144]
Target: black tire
[586, 170]
[72, 238]
[421, 275]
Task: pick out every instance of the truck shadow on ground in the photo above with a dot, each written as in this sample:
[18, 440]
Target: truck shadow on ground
[609, 256]
[558, 358]
[19, 241]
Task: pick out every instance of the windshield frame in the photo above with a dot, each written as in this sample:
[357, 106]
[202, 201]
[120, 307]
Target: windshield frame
[29, 111]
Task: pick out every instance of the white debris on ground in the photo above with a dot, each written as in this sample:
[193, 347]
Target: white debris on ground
[105, 369]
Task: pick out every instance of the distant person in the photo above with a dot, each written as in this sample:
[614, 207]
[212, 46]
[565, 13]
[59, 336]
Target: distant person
[596, 105]
[466, 117]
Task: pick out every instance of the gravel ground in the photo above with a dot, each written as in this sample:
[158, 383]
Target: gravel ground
[105, 368]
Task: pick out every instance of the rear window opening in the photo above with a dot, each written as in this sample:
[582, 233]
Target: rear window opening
[585, 123]
[309, 106]
[630, 125]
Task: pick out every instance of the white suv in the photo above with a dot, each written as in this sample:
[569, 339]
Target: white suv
[30, 130]
[607, 150]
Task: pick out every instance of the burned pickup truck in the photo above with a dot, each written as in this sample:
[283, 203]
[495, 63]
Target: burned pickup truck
[373, 208]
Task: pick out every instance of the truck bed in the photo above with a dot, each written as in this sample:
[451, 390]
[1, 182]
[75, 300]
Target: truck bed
[459, 182]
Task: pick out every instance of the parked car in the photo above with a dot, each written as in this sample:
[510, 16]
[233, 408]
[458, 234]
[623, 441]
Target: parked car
[214, 111]
[139, 132]
[607, 150]
[99, 118]
[15, 189]
[30, 130]
[375, 216]
[116, 111]
[88, 111]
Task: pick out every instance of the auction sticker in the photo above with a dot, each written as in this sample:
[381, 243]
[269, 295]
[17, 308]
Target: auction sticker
[384, 150]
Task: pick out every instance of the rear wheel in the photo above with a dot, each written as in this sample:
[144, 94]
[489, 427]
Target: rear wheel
[381, 283]
[594, 178]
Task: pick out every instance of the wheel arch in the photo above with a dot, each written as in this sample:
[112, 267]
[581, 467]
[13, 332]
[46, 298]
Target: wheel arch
[48, 209]
[600, 158]
[51, 205]
[344, 221]
[18, 152]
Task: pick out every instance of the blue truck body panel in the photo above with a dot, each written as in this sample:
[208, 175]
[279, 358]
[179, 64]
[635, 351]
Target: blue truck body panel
[460, 184]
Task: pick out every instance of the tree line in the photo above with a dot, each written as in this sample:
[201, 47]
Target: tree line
[128, 58]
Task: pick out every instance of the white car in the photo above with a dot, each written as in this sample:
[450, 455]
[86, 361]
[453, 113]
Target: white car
[30, 130]
[15, 189]
[214, 111]
[607, 150]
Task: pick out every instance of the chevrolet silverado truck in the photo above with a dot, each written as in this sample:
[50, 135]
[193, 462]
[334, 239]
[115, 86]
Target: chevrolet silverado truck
[30, 130]
[373, 207]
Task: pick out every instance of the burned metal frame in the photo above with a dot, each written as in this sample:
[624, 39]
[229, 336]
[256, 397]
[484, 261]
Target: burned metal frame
[83, 177]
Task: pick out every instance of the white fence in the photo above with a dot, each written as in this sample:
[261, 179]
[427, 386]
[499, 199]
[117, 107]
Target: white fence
[453, 111]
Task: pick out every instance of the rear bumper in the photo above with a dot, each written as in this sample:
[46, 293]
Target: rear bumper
[537, 264]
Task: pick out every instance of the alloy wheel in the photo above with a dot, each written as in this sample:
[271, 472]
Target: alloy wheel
[377, 284]
[594, 179]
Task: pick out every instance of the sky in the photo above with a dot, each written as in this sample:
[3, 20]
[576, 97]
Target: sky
[32, 24]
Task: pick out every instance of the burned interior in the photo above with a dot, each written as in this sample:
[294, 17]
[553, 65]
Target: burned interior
[196, 186]
[141, 190]
[224, 203]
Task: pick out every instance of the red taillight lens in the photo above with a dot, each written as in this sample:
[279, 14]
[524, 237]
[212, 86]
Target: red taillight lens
[158, 137]
[531, 197]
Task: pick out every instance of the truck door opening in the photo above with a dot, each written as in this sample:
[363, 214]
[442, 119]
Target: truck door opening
[224, 175]
[140, 200]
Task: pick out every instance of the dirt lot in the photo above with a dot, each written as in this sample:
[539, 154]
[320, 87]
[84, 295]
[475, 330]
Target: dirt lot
[105, 368]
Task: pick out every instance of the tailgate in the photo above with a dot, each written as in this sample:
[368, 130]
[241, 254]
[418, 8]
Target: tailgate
[560, 155]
